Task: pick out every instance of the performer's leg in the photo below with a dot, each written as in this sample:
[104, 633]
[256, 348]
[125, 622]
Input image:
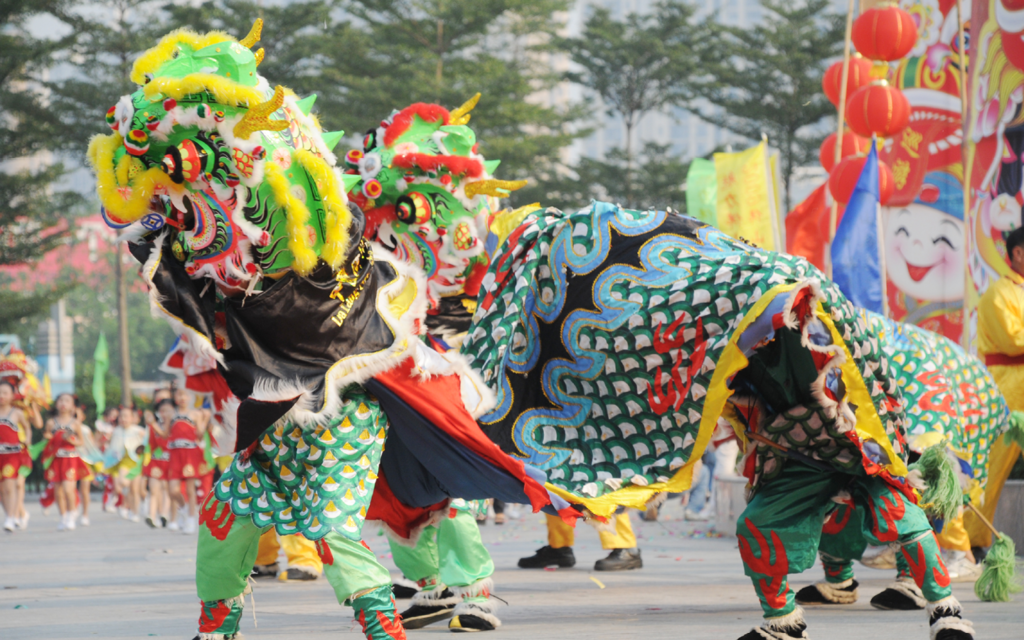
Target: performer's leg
[896, 519]
[466, 567]
[303, 560]
[421, 564]
[954, 540]
[842, 541]
[266, 555]
[558, 551]
[225, 555]
[84, 486]
[622, 544]
[359, 580]
[778, 534]
[1001, 458]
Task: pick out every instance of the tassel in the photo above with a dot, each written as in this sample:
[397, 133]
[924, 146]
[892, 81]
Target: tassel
[943, 496]
[998, 580]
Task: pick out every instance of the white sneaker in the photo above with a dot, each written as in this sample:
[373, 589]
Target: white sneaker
[123, 512]
[23, 522]
[9, 525]
[135, 518]
[84, 521]
[879, 558]
[63, 524]
[173, 526]
[70, 525]
[190, 526]
[963, 570]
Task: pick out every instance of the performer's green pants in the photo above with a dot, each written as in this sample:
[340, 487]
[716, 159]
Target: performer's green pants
[780, 530]
[226, 554]
[450, 553]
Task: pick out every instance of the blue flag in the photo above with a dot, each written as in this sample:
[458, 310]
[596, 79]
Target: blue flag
[856, 263]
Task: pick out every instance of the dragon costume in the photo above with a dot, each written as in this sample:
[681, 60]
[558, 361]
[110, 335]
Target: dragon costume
[228, 193]
[614, 340]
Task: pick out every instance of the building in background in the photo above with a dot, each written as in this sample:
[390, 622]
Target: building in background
[55, 350]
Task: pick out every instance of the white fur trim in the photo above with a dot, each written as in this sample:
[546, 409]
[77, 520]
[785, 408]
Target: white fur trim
[907, 587]
[835, 592]
[433, 598]
[475, 590]
[949, 602]
[484, 610]
[788, 622]
[220, 636]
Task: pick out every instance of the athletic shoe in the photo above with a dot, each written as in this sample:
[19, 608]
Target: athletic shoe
[135, 518]
[826, 593]
[264, 571]
[499, 518]
[902, 595]
[163, 522]
[152, 523]
[548, 556]
[620, 560]
[23, 522]
[190, 526]
[879, 558]
[173, 526]
[298, 573]
[695, 516]
[427, 610]
[70, 526]
[84, 521]
[961, 569]
[9, 525]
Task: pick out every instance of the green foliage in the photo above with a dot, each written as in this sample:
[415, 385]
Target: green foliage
[636, 65]
[30, 206]
[768, 78]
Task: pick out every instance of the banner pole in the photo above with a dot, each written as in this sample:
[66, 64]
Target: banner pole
[964, 121]
[838, 155]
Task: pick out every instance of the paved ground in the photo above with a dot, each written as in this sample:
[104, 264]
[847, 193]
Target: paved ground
[121, 580]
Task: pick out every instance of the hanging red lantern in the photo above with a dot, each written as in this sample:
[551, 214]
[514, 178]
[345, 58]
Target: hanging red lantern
[878, 109]
[844, 179]
[884, 33]
[858, 76]
[853, 145]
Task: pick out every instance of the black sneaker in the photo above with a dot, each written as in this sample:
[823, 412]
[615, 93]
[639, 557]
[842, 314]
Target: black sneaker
[824, 593]
[902, 595]
[402, 592]
[296, 573]
[426, 611]
[152, 523]
[620, 560]
[467, 622]
[264, 571]
[163, 522]
[548, 556]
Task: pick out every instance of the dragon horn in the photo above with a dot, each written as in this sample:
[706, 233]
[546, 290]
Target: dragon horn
[496, 188]
[254, 34]
[461, 115]
[257, 118]
[259, 56]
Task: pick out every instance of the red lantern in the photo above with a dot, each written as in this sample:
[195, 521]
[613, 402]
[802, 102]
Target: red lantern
[858, 76]
[878, 109]
[853, 145]
[884, 33]
[844, 178]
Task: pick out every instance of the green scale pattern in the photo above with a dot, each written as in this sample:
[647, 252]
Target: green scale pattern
[604, 429]
[311, 480]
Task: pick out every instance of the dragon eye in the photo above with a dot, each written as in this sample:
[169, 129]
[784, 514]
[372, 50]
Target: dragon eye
[414, 208]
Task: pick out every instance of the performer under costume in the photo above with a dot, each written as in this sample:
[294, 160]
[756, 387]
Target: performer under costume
[303, 560]
[250, 250]
[951, 400]
[187, 459]
[621, 542]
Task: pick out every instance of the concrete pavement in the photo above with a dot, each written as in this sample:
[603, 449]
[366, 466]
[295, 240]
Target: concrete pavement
[116, 579]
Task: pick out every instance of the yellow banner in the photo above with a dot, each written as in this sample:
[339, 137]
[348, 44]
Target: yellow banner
[745, 199]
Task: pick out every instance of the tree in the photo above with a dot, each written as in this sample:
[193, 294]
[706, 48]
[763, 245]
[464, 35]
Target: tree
[32, 211]
[768, 78]
[397, 52]
[636, 65]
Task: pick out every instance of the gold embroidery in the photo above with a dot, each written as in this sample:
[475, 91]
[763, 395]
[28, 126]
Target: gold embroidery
[911, 141]
[352, 277]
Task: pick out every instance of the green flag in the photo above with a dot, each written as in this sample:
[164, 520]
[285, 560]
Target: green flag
[101, 362]
[702, 191]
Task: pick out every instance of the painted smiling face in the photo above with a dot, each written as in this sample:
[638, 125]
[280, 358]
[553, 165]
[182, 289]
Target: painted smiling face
[924, 253]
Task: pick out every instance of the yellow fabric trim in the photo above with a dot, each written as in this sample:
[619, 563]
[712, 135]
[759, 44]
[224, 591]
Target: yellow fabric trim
[226, 92]
[869, 423]
[339, 218]
[151, 60]
[303, 256]
[731, 362]
[108, 187]
[399, 304]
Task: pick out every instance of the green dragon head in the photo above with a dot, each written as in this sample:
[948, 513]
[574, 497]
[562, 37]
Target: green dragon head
[428, 194]
[240, 174]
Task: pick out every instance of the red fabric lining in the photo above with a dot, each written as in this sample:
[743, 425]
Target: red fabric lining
[399, 517]
[403, 119]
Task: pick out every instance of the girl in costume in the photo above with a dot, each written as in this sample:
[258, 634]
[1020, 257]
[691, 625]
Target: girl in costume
[130, 439]
[157, 468]
[187, 464]
[65, 467]
[15, 462]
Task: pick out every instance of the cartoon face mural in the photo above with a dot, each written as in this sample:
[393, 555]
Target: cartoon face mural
[238, 174]
[995, 143]
[428, 195]
[924, 230]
